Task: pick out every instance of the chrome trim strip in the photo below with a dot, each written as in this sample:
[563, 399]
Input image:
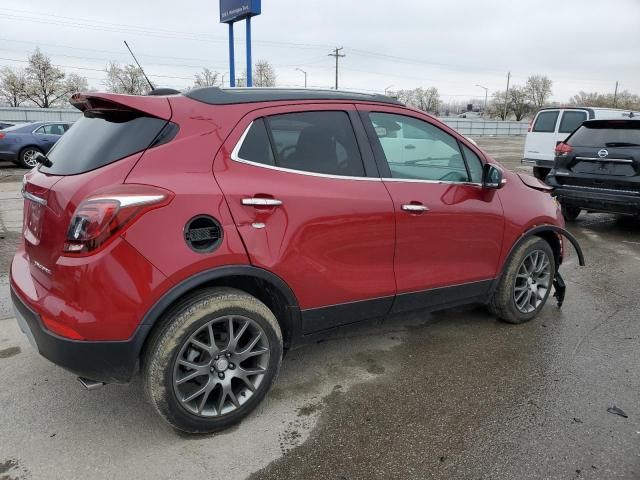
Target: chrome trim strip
[33, 198]
[605, 159]
[235, 157]
[414, 208]
[612, 190]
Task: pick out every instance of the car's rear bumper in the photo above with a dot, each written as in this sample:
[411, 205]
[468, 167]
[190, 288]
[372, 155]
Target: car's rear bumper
[600, 200]
[109, 362]
[537, 162]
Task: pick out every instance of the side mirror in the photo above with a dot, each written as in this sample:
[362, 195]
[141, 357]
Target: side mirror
[491, 177]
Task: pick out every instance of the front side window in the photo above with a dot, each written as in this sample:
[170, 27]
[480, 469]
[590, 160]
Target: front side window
[417, 150]
[546, 121]
[474, 163]
[317, 142]
[571, 120]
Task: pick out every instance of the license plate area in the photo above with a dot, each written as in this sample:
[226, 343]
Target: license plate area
[604, 168]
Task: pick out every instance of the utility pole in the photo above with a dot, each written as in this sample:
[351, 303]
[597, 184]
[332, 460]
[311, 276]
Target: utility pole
[305, 76]
[506, 96]
[615, 96]
[486, 93]
[336, 53]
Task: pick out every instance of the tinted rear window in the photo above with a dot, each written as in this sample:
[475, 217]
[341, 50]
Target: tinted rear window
[546, 122]
[98, 139]
[607, 134]
[571, 120]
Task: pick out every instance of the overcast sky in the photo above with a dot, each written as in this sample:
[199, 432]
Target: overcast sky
[452, 45]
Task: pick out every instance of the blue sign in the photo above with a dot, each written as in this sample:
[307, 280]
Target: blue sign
[234, 10]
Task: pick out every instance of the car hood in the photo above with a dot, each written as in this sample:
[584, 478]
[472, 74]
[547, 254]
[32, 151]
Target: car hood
[534, 183]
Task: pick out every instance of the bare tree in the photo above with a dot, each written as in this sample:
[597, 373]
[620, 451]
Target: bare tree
[427, 100]
[264, 75]
[538, 88]
[624, 100]
[75, 83]
[207, 78]
[44, 84]
[127, 79]
[519, 102]
[496, 107]
[12, 86]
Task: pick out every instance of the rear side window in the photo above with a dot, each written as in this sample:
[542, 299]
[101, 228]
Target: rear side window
[607, 134]
[571, 120]
[256, 146]
[98, 139]
[546, 121]
[318, 142]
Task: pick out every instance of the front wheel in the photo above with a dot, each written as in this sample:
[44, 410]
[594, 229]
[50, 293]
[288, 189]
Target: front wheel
[526, 282]
[213, 360]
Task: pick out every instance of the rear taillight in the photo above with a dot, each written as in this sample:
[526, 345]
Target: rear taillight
[2, 135]
[99, 217]
[562, 149]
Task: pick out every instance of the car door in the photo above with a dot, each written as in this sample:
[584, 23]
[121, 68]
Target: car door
[48, 135]
[541, 140]
[449, 229]
[306, 197]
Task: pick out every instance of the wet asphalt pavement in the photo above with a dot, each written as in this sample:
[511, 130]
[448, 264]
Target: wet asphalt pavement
[447, 395]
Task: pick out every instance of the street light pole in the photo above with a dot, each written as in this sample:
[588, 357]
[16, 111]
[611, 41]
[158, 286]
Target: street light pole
[305, 76]
[387, 89]
[486, 92]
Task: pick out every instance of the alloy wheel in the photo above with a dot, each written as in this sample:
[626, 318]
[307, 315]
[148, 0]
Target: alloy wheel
[533, 281]
[221, 365]
[29, 157]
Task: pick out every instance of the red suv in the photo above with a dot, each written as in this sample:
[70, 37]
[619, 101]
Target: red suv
[197, 237]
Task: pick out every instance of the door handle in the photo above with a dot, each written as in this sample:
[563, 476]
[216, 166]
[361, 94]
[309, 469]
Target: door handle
[410, 147]
[261, 202]
[413, 208]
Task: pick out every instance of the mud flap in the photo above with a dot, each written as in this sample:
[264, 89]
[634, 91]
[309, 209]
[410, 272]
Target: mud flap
[560, 289]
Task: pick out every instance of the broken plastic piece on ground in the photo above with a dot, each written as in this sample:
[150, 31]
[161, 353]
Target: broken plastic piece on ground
[616, 411]
[560, 289]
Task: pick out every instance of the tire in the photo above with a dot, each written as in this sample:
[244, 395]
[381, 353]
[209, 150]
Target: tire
[541, 173]
[25, 158]
[180, 360]
[507, 300]
[570, 213]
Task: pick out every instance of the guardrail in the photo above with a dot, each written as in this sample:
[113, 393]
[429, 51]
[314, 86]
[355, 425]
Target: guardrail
[476, 127]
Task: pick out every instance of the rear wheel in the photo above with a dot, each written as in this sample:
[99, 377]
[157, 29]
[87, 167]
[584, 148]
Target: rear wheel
[570, 213]
[27, 157]
[213, 361]
[526, 282]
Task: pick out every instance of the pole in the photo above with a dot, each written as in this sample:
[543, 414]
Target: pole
[615, 96]
[305, 76]
[249, 74]
[336, 53]
[486, 92]
[232, 61]
[506, 96]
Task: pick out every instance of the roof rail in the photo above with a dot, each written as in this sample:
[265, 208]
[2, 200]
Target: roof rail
[228, 96]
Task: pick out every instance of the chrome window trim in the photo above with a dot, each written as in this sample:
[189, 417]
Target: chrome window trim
[610, 190]
[236, 158]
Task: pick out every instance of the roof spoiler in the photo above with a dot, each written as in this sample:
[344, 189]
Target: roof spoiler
[151, 105]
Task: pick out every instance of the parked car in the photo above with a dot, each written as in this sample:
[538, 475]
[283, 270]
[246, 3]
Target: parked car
[22, 142]
[598, 168]
[553, 125]
[197, 237]
[4, 125]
